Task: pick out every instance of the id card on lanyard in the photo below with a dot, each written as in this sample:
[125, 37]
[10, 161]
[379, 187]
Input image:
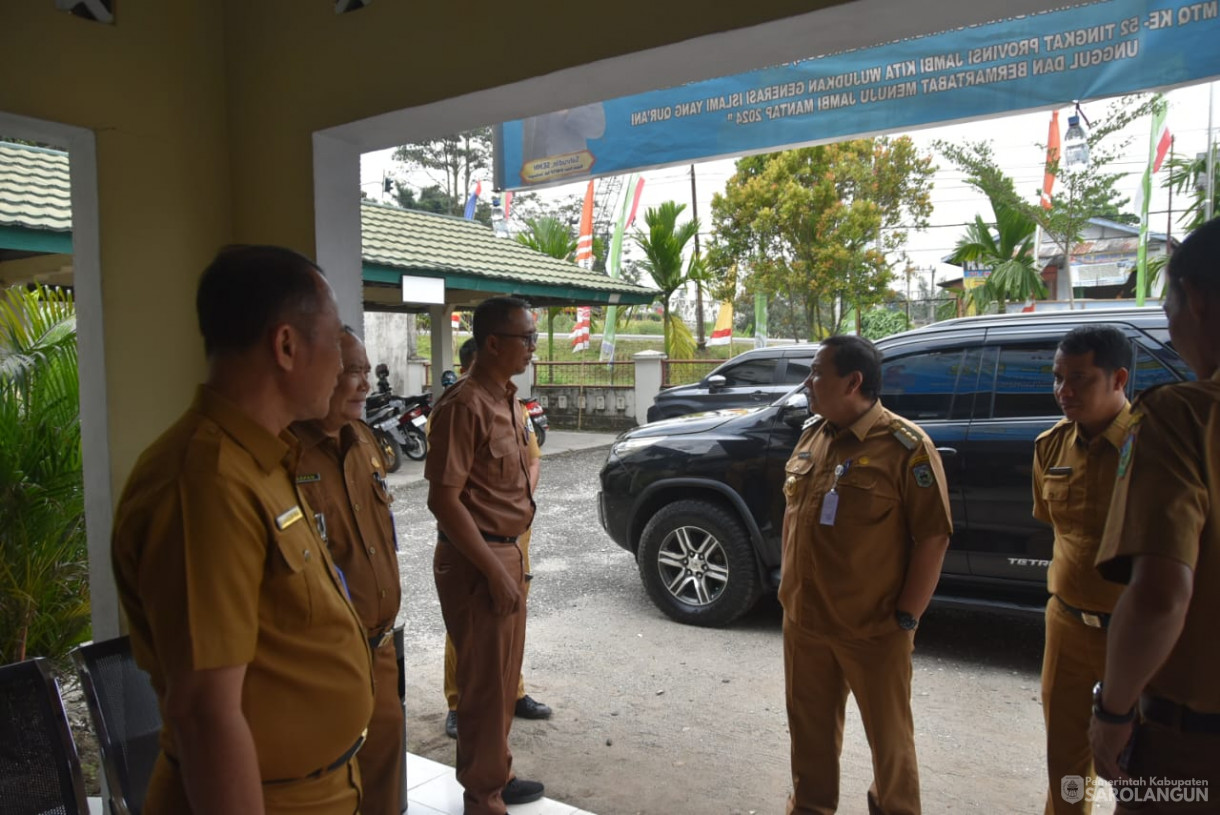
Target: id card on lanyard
[830, 503]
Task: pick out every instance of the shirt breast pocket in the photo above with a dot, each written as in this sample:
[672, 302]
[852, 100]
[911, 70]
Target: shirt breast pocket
[505, 459]
[796, 476]
[1055, 491]
[865, 498]
[290, 579]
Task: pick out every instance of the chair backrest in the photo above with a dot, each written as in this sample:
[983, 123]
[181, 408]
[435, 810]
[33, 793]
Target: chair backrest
[126, 719]
[39, 767]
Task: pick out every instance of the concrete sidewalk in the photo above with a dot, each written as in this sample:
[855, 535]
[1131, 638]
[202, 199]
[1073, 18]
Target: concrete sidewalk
[557, 441]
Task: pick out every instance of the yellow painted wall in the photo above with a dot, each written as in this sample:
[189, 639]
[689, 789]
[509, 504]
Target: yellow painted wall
[204, 111]
[153, 90]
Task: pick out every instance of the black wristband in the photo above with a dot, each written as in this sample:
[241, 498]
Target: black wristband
[1103, 715]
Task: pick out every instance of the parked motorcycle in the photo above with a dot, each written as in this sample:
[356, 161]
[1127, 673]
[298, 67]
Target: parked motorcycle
[537, 418]
[414, 423]
[383, 412]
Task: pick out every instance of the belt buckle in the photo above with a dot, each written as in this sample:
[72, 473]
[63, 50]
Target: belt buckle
[1090, 619]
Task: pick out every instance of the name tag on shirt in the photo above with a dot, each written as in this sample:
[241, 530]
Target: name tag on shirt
[1059, 471]
[830, 506]
[288, 518]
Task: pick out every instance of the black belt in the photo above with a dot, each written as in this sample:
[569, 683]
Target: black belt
[1177, 717]
[1093, 619]
[487, 537]
[329, 768]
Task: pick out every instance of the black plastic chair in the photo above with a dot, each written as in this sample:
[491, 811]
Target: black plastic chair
[39, 768]
[126, 719]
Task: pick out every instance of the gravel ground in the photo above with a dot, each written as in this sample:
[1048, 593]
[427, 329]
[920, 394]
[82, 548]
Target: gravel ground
[656, 717]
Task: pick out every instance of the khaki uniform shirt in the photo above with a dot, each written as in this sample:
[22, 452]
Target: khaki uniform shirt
[1167, 503]
[218, 563]
[1073, 480]
[477, 442]
[844, 578]
[344, 480]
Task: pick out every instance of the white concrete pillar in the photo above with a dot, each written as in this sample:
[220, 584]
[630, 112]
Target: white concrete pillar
[649, 375]
[442, 345]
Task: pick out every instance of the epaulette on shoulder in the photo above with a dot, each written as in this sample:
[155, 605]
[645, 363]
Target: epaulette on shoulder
[1142, 395]
[1059, 427]
[813, 421]
[905, 434]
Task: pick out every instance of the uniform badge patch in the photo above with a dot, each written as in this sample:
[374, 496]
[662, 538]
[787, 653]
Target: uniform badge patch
[309, 478]
[923, 475]
[1124, 455]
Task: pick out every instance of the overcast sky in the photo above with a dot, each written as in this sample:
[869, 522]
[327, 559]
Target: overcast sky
[1015, 140]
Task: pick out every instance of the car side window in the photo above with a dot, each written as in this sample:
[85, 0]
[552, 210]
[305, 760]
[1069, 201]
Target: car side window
[1149, 371]
[796, 372]
[1024, 382]
[752, 373]
[920, 386]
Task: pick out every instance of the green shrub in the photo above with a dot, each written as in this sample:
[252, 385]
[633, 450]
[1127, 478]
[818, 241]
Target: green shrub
[44, 588]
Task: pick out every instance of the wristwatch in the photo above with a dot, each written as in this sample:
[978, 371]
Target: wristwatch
[906, 622]
[1103, 715]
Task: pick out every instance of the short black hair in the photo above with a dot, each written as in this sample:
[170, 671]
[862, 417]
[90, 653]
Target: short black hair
[1198, 259]
[491, 316]
[1111, 348]
[246, 290]
[854, 353]
[466, 352]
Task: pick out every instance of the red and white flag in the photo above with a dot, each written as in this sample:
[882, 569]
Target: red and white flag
[584, 240]
[456, 320]
[1164, 141]
[580, 331]
[1052, 157]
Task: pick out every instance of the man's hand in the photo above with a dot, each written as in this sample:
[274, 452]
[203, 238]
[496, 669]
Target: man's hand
[505, 594]
[1108, 741]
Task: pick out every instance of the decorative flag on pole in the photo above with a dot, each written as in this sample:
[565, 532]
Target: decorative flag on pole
[760, 320]
[508, 203]
[1158, 146]
[1052, 158]
[580, 331]
[614, 261]
[584, 240]
[473, 201]
[722, 334]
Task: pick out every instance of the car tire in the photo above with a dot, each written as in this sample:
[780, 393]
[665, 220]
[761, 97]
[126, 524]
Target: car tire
[697, 564]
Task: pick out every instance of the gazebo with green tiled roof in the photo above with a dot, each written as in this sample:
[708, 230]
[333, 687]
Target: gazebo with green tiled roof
[475, 264]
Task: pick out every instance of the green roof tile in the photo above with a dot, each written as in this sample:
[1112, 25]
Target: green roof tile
[34, 188]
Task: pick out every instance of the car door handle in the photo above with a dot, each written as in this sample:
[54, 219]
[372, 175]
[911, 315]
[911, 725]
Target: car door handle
[946, 452]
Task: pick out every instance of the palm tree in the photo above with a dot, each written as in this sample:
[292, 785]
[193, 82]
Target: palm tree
[1183, 174]
[44, 589]
[1008, 250]
[663, 246]
[552, 237]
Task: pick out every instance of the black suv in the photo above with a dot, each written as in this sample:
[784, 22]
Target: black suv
[750, 379]
[699, 500]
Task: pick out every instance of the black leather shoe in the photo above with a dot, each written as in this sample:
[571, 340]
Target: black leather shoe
[520, 791]
[528, 708]
[451, 724]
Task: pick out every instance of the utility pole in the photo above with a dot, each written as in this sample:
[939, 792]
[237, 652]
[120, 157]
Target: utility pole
[701, 341]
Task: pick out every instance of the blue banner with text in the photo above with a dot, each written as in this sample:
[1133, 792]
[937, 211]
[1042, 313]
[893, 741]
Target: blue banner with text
[1036, 61]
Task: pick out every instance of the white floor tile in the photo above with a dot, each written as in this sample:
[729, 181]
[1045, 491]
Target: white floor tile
[417, 808]
[443, 793]
[421, 770]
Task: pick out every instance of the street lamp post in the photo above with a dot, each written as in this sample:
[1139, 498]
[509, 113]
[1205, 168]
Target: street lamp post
[1075, 159]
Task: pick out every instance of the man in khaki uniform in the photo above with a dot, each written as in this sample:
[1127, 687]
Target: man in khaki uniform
[258, 659]
[865, 532]
[1074, 466]
[1162, 539]
[342, 475]
[479, 491]
[527, 707]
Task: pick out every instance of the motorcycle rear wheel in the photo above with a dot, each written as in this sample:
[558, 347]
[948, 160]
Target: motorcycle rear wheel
[391, 452]
[416, 447]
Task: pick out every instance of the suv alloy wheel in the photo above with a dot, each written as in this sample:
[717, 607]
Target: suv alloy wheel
[697, 564]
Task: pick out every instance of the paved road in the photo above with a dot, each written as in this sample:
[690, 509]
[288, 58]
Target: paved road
[656, 717]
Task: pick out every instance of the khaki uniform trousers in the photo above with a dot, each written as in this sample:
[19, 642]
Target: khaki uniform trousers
[489, 647]
[335, 793]
[1073, 662]
[380, 758]
[1162, 753]
[818, 673]
[451, 656]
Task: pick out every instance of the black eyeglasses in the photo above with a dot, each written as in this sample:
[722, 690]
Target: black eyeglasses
[529, 339]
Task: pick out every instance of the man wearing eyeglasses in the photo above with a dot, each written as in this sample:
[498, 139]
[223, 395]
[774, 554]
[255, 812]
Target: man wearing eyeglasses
[479, 491]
